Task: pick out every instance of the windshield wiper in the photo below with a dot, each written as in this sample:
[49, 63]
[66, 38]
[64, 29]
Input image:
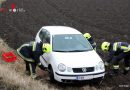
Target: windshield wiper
[77, 50]
[59, 51]
[71, 51]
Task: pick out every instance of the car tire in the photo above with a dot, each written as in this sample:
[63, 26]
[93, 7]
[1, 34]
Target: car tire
[51, 74]
[98, 81]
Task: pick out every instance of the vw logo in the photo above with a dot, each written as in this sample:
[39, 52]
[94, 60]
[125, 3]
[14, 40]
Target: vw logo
[84, 69]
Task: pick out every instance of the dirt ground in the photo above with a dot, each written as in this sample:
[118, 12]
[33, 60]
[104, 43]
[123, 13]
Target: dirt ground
[106, 20]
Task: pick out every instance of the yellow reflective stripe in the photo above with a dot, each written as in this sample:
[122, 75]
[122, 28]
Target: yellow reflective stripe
[30, 66]
[126, 49]
[34, 46]
[27, 59]
[116, 66]
[115, 46]
[23, 46]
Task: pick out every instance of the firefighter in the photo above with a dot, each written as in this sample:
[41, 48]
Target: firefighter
[31, 52]
[117, 51]
[90, 39]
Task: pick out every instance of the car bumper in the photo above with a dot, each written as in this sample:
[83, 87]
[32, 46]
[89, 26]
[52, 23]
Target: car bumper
[78, 77]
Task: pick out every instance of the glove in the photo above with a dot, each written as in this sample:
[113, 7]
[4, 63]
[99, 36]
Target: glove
[106, 63]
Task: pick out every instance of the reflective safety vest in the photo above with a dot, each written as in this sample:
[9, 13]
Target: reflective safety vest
[121, 46]
[33, 49]
[118, 48]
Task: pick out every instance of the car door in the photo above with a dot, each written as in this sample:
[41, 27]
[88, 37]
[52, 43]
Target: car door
[45, 38]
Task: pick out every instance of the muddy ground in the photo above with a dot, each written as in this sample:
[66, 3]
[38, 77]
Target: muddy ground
[106, 20]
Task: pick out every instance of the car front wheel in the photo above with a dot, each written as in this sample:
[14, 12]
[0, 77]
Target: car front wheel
[98, 81]
[51, 74]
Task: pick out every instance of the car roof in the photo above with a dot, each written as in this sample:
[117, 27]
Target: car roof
[61, 30]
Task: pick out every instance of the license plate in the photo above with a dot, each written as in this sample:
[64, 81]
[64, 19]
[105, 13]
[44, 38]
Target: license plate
[84, 77]
[80, 77]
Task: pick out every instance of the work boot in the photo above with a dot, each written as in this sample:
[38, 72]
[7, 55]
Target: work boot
[35, 77]
[125, 72]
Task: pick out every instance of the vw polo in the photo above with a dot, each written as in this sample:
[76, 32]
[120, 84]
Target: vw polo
[72, 57]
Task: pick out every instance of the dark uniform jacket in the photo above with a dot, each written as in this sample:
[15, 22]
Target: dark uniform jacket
[31, 50]
[91, 41]
[118, 48]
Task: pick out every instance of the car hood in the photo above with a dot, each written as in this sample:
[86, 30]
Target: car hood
[77, 59]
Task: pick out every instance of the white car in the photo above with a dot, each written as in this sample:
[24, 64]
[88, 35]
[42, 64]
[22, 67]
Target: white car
[72, 57]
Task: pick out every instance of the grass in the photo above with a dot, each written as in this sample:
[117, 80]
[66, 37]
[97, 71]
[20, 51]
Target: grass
[12, 77]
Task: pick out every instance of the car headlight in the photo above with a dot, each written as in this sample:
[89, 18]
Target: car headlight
[61, 67]
[100, 66]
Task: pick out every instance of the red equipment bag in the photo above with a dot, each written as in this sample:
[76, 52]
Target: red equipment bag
[9, 56]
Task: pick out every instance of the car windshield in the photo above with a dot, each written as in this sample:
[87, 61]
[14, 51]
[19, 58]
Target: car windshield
[70, 43]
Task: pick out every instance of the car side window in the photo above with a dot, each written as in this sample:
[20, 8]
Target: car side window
[47, 38]
[44, 36]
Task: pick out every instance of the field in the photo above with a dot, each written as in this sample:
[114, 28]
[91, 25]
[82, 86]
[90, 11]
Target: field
[105, 20]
